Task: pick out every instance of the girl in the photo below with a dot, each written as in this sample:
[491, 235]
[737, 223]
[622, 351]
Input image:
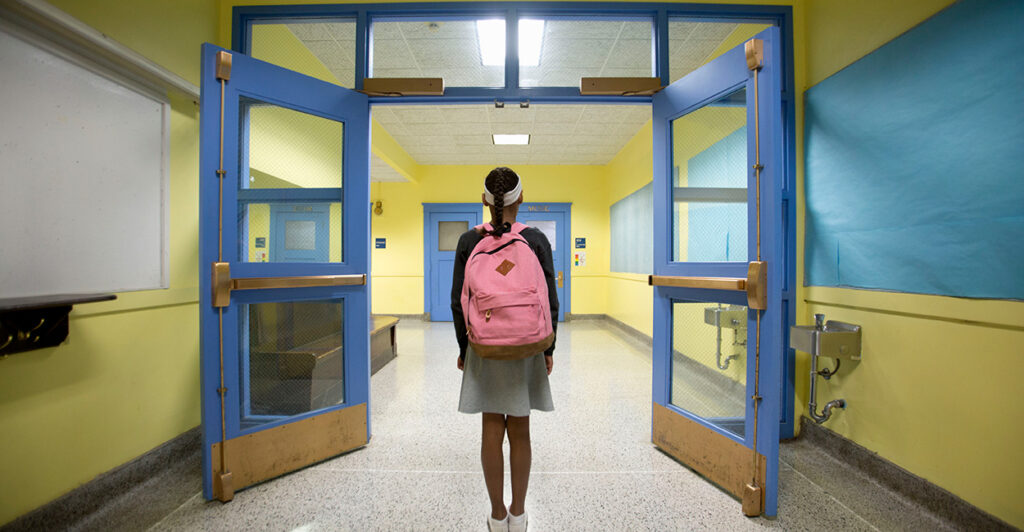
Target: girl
[504, 390]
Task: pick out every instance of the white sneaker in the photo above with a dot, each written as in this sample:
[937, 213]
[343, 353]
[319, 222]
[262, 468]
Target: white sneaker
[497, 525]
[517, 523]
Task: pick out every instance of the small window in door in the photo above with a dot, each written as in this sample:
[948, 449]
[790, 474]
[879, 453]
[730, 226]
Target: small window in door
[448, 234]
[549, 228]
[709, 182]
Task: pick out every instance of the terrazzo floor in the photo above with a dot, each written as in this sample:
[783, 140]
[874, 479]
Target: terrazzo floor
[594, 467]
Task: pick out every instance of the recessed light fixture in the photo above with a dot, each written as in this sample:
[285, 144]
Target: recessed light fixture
[520, 140]
[490, 35]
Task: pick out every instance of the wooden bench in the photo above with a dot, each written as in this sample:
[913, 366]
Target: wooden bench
[382, 342]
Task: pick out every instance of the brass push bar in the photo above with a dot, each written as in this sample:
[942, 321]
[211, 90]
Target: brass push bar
[223, 284]
[753, 285]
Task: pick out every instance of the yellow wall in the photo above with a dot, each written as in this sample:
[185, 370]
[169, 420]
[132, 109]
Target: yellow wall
[932, 391]
[127, 379]
[398, 270]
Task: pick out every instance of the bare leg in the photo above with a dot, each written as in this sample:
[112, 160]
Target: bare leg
[493, 460]
[520, 456]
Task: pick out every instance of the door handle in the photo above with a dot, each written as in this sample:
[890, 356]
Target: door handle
[561, 280]
[753, 285]
[223, 284]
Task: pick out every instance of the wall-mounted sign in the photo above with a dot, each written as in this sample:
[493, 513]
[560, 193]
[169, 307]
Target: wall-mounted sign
[581, 243]
[539, 208]
[381, 243]
[261, 241]
[579, 258]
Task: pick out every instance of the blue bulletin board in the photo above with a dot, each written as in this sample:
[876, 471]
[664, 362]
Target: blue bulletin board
[914, 181]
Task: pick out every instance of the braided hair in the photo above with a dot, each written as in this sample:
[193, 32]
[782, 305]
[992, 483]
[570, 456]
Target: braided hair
[499, 182]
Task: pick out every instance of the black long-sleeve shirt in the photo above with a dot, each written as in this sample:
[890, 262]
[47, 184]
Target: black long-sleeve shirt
[540, 246]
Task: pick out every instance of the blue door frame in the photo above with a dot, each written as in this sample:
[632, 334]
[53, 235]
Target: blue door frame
[701, 88]
[243, 17]
[283, 213]
[222, 358]
[562, 214]
[437, 284]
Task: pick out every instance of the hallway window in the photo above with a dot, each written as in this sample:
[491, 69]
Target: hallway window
[692, 43]
[323, 50]
[557, 52]
[460, 51]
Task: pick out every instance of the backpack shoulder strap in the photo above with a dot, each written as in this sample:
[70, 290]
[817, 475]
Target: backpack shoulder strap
[518, 228]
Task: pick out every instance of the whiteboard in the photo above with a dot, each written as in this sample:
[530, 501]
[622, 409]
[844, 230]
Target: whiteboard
[83, 177]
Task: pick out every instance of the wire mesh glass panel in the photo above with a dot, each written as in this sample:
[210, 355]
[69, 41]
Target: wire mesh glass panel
[709, 362]
[549, 228]
[448, 234]
[323, 50]
[558, 52]
[710, 173]
[692, 44]
[466, 53]
[289, 232]
[291, 359]
[284, 148]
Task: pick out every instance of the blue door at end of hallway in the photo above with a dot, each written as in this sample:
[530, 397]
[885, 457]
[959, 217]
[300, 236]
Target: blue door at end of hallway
[444, 224]
[553, 220]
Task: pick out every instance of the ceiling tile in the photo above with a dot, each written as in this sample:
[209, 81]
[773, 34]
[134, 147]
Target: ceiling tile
[316, 31]
[418, 114]
[390, 54]
[465, 114]
[473, 140]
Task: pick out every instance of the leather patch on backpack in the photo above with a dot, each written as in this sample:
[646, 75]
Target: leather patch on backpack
[505, 267]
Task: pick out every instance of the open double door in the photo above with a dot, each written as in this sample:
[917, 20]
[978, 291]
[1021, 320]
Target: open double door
[284, 345]
[719, 271]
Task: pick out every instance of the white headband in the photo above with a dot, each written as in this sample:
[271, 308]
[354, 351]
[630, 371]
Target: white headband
[510, 197]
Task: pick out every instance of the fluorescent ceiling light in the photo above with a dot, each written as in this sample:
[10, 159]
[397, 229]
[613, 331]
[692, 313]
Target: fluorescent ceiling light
[511, 139]
[531, 34]
[490, 35]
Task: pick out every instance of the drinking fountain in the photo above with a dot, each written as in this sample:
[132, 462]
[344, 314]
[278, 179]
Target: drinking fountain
[732, 317]
[833, 339]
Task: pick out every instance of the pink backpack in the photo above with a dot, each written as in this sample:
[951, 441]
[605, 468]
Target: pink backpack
[505, 298]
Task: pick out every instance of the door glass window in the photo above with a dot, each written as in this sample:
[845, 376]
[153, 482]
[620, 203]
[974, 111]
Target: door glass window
[284, 150]
[693, 43]
[323, 50]
[466, 53]
[709, 182]
[289, 149]
[300, 235]
[549, 228]
[709, 362]
[277, 232]
[448, 234]
[291, 359]
[557, 52]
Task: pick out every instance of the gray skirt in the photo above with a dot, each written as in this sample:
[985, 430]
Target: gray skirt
[510, 387]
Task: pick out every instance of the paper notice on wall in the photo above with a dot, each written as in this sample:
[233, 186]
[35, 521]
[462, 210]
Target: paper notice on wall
[579, 258]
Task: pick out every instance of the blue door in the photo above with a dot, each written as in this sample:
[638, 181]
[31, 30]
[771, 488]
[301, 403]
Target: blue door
[443, 224]
[300, 232]
[284, 356]
[719, 270]
[553, 219]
